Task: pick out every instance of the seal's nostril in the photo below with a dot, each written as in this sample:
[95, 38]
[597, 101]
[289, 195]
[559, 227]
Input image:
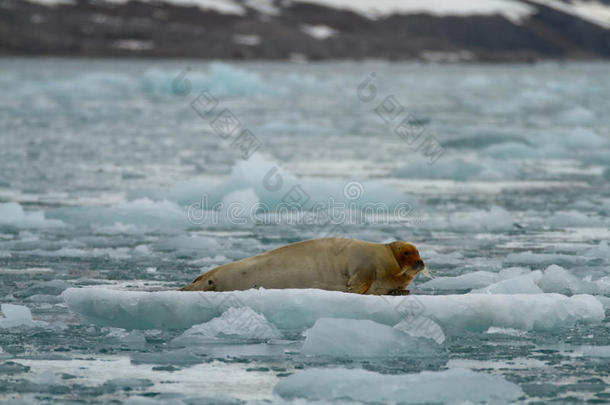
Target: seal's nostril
[419, 265]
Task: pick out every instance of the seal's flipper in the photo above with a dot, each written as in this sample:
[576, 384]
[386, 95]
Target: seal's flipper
[360, 282]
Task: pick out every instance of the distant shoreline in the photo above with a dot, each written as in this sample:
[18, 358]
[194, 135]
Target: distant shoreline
[299, 31]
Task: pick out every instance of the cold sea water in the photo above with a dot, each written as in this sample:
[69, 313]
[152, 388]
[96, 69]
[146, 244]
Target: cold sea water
[121, 181]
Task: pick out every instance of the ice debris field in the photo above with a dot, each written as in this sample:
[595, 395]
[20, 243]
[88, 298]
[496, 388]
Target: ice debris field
[115, 192]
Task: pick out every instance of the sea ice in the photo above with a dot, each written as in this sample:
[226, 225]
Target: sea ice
[476, 279]
[421, 326]
[142, 212]
[17, 315]
[298, 309]
[361, 338]
[601, 251]
[273, 187]
[517, 285]
[13, 214]
[559, 280]
[532, 258]
[493, 220]
[594, 351]
[236, 323]
[222, 80]
[574, 219]
[453, 386]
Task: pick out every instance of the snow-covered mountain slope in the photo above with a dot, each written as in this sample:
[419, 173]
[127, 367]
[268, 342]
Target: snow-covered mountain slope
[435, 30]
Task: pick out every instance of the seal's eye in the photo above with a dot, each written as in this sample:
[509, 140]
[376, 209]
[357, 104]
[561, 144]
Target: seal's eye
[406, 253]
[210, 282]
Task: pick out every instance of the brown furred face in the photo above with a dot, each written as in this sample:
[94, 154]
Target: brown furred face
[407, 256]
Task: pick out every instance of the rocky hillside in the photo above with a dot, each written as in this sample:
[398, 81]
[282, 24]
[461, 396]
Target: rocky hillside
[488, 30]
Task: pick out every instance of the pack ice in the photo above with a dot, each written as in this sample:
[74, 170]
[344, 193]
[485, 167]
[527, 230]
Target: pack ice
[453, 386]
[298, 309]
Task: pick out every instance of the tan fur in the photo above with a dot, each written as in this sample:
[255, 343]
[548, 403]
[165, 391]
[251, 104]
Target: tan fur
[337, 264]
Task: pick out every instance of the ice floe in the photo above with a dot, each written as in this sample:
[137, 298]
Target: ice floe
[517, 285]
[143, 212]
[453, 386]
[235, 323]
[495, 219]
[13, 214]
[362, 338]
[221, 79]
[17, 315]
[520, 280]
[299, 309]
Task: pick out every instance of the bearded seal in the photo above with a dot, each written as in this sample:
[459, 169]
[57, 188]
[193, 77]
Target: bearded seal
[337, 264]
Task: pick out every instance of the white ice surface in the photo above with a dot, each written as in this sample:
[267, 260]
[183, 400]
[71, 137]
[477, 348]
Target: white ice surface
[453, 386]
[240, 323]
[17, 315]
[361, 338]
[495, 219]
[520, 280]
[299, 309]
[13, 214]
[518, 285]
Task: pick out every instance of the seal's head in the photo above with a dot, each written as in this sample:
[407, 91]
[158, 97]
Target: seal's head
[205, 282]
[408, 258]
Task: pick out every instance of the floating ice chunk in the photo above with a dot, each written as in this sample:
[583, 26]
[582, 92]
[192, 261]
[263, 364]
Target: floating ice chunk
[131, 338]
[512, 150]
[421, 326]
[13, 214]
[116, 229]
[495, 220]
[202, 244]
[52, 287]
[506, 331]
[361, 338]
[453, 386]
[17, 315]
[541, 258]
[604, 300]
[476, 279]
[298, 309]
[512, 272]
[559, 280]
[143, 212]
[47, 378]
[240, 323]
[180, 357]
[456, 169]
[601, 251]
[274, 187]
[433, 257]
[240, 205]
[574, 219]
[517, 285]
[594, 351]
[222, 79]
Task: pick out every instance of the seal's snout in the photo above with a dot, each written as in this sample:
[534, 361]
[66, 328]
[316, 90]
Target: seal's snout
[419, 265]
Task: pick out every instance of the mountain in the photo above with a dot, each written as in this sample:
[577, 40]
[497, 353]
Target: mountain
[433, 30]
